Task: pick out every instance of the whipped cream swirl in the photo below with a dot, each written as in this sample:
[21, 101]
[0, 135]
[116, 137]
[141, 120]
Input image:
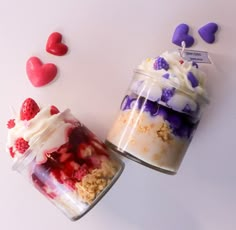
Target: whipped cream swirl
[181, 74]
[44, 133]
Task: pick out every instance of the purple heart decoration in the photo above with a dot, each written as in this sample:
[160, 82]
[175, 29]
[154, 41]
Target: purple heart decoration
[181, 34]
[208, 31]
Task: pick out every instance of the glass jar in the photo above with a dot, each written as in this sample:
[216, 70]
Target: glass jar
[156, 123]
[73, 176]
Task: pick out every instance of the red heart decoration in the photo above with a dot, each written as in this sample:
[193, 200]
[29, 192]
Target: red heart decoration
[55, 46]
[38, 73]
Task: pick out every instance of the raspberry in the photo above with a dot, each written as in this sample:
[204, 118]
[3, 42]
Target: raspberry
[181, 62]
[29, 109]
[12, 153]
[54, 110]
[11, 124]
[21, 145]
[161, 63]
[82, 171]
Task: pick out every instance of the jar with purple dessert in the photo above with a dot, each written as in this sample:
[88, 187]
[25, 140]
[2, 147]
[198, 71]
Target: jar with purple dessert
[61, 158]
[160, 112]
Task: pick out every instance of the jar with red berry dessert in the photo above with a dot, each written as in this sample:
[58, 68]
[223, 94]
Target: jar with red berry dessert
[160, 112]
[62, 158]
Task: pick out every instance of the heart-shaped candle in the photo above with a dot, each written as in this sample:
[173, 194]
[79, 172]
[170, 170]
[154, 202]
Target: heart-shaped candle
[55, 46]
[207, 32]
[181, 35]
[38, 73]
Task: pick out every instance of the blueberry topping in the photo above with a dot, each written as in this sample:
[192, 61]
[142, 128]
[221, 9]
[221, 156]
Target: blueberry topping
[167, 94]
[193, 80]
[161, 63]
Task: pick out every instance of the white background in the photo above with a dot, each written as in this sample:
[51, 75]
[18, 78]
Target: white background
[107, 39]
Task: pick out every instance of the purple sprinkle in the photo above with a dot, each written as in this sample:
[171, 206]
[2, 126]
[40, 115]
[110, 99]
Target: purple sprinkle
[187, 109]
[160, 63]
[195, 64]
[193, 80]
[166, 75]
[167, 94]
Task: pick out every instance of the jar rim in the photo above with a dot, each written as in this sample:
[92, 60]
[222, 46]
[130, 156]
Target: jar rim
[201, 98]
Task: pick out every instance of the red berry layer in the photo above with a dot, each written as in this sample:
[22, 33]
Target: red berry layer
[70, 163]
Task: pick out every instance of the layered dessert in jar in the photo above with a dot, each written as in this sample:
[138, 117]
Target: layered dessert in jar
[160, 112]
[63, 159]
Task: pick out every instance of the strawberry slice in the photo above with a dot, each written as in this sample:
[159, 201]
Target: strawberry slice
[29, 109]
[54, 110]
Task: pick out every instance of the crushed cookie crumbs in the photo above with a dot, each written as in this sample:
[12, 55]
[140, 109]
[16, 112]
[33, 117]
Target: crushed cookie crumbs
[164, 132]
[95, 182]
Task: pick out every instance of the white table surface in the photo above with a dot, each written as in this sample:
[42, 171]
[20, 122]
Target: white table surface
[107, 39]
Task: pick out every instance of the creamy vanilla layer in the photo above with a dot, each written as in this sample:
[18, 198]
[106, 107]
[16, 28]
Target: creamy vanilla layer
[148, 138]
